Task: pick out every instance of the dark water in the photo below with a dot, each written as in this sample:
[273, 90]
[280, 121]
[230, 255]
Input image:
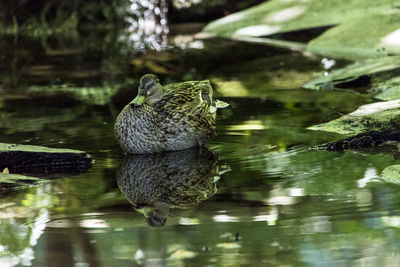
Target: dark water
[257, 196]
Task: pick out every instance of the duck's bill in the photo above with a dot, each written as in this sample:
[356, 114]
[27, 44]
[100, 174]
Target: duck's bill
[138, 101]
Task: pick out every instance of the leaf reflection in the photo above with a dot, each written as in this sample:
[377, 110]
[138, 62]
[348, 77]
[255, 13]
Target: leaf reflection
[157, 182]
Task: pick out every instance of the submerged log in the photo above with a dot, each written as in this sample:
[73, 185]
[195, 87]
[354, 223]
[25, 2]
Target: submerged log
[363, 140]
[370, 126]
[38, 159]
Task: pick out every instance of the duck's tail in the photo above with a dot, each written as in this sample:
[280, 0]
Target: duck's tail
[207, 95]
[220, 104]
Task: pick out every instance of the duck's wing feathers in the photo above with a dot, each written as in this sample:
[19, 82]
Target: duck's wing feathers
[187, 96]
[207, 95]
[194, 98]
[206, 91]
[178, 94]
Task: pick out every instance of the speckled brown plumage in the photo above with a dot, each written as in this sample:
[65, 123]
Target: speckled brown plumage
[180, 178]
[175, 117]
[153, 183]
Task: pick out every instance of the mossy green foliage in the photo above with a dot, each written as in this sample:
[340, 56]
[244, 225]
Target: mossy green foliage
[363, 37]
[376, 116]
[391, 174]
[38, 149]
[388, 90]
[39, 159]
[354, 71]
[381, 115]
[283, 16]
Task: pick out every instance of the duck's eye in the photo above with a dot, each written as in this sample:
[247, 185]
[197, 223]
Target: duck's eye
[151, 91]
[148, 85]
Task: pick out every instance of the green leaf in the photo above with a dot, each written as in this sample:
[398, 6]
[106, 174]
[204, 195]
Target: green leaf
[369, 36]
[391, 174]
[278, 16]
[354, 71]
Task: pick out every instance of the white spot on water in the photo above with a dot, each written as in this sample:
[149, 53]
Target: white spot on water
[225, 218]
[369, 175]
[328, 63]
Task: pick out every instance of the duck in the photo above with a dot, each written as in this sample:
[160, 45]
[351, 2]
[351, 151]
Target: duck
[167, 118]
[156, 183]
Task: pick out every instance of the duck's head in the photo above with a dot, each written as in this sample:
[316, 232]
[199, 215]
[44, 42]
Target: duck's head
[150, 91]
[156, 215]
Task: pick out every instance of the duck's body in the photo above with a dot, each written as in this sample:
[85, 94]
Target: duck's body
[175, 117]
[154, 183]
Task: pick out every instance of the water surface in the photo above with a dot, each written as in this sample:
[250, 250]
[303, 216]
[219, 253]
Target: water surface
[257, 195]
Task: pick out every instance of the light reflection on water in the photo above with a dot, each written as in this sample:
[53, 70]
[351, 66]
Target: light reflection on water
[287, 204]
[148, 28]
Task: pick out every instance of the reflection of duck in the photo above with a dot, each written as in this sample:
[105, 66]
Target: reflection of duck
[156, 182]
[174, 117]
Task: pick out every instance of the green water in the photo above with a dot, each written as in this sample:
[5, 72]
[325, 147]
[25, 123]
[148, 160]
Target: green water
[278, 203]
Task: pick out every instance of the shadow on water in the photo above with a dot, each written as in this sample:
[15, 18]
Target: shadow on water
[156, 183]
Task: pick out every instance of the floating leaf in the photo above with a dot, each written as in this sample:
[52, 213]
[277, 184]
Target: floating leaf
[389, 89]
[282, 16]
[348, 40]
[391, 174]
[355, 19]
